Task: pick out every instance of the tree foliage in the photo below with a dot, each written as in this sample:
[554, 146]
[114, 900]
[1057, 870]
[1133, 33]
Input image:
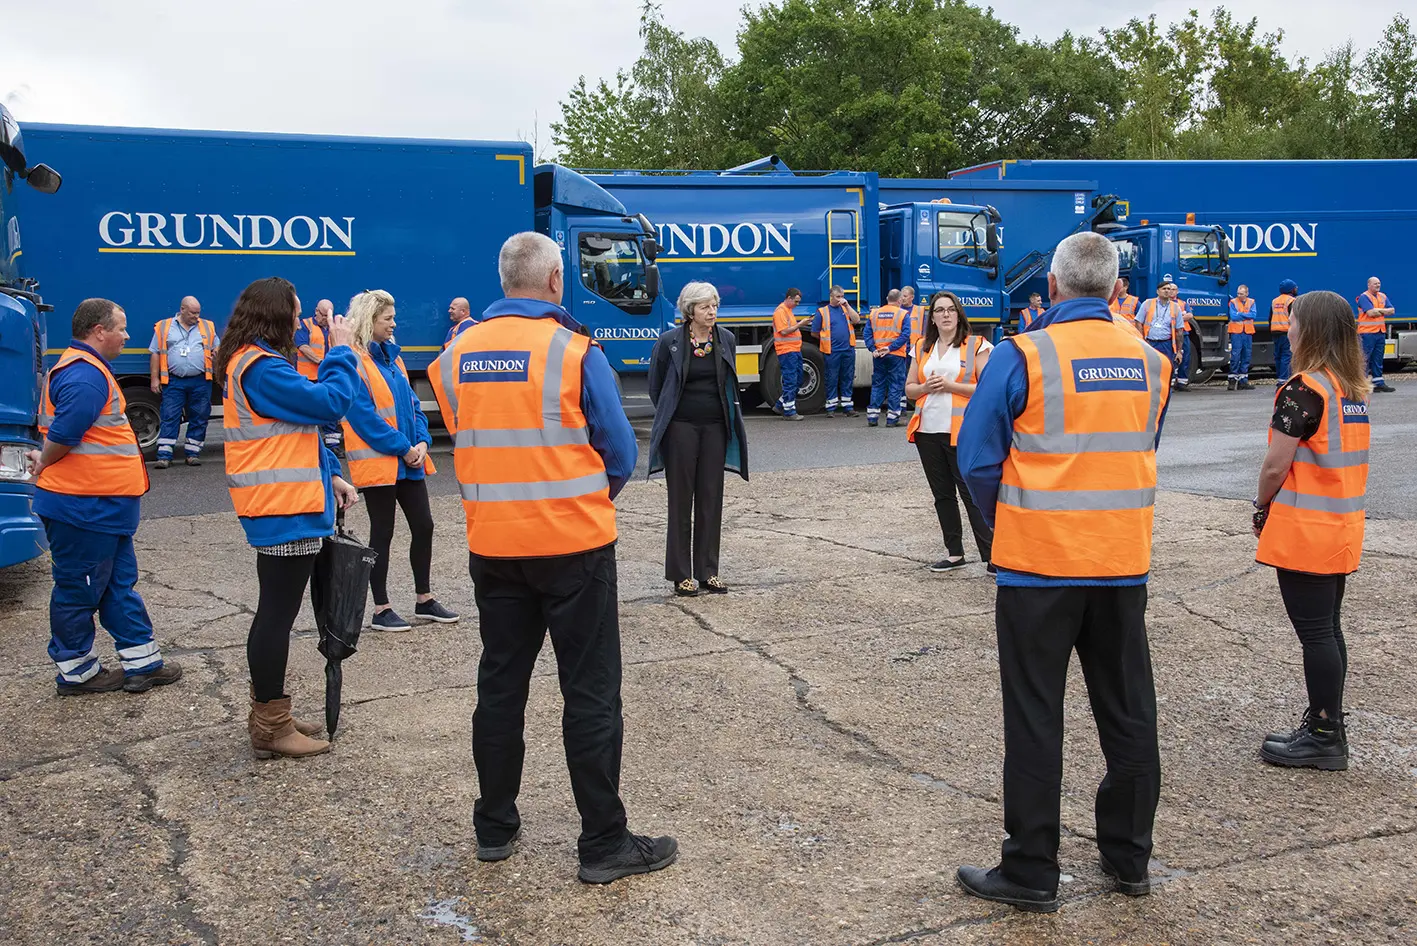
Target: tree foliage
[914, 88]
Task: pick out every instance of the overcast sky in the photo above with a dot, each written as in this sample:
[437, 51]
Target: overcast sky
[432, 68]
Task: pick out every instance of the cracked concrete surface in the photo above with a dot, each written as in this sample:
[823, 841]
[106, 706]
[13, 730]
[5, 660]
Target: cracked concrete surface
[825, 742]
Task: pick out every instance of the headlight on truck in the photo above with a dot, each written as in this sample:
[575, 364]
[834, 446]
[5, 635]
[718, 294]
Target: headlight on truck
[13, 467]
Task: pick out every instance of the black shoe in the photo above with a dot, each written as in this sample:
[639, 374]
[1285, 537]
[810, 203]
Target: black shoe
[852, 413]
[498, 852]
[1320, 746]
[947, 564]
[991, 569]
[993, 885]
[193, 461]
[1287, 736]
[434, 611]
[640, 855]
[389, 620]
[871, 422]
[1246, 386]
[1230, 385]
[105, 681]
[686, 588]
[169, 672]
[714, 585]
[162, 464]
[1384, 387]
[337, 449]
[1132, 888]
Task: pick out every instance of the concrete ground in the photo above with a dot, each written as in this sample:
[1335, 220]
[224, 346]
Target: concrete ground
[825, 742]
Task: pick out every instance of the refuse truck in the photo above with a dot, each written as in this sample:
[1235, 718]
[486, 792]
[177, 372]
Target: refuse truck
[1323, 224]
[151, 215]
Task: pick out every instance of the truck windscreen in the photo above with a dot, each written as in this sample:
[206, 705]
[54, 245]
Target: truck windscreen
[961, 238]
[613, 268]
[1200, 252]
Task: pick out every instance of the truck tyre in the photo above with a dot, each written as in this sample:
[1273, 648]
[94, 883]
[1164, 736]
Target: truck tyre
[1198, 374]
[811, 391]
[144, 414]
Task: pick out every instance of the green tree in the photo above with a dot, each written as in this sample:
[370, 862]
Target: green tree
[1161, 70]
[1247, 74]
[1333, 119]
[1390, 70]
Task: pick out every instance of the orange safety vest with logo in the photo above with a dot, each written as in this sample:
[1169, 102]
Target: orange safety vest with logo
[1279, 313]
[784, 341]
[968, 374]
[1079, 483]
[272, 466]
[824, 338]
[311, 369]
[208, 333]
[1125, 306]
[1315, 521]
[1026, 316]
[1242, 326]
[1368, 323]
[367, 466]
[532, 486]
[107, 460]
[887, 323]
[1175, 311]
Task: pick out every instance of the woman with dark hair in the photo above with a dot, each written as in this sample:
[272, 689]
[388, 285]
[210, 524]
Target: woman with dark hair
[947, 366]
[284, 483]
[1309, 513]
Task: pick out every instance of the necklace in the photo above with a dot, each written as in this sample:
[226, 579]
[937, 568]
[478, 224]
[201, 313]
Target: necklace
[701, 348]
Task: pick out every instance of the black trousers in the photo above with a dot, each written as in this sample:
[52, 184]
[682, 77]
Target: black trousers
[282, 580]
[1038, 629]
[412, 497]
[937, 456]
[518, 602]
[1313, 603]
[693, 471]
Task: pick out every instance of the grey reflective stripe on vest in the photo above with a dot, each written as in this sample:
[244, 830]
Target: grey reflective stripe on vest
[113, 449]
[969, 351]
[1287, 497]
[389, 413]
[1076, 500]
[238, 393]
[112, 416]
[523, 437]
[267, 477]
[531, 492]
[248, 429]
[1335, 457]
[275, 429]
[446, 366]
[551, 383]
[1331, 461]
[1104, 442]
[46, 421]
[353, 455]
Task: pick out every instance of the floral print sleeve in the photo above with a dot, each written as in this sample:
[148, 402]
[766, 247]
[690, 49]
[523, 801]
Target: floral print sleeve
[1297, 410]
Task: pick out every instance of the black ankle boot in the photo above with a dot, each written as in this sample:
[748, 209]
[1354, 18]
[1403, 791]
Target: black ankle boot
[1284, 737]
[1322, 745]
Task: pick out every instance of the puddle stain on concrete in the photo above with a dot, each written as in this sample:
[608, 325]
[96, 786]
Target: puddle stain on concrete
[444, 913]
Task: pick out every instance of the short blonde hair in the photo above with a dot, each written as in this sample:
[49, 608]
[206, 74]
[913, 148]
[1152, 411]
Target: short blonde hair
[694, 293]
[363, 310]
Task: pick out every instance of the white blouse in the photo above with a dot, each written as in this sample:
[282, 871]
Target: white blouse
[935, 416]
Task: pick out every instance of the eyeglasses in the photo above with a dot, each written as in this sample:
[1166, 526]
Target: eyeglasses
[942, 309]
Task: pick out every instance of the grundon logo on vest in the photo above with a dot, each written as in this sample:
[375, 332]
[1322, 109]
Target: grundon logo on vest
[494, 366]
[1109, 374]
[1355, 412]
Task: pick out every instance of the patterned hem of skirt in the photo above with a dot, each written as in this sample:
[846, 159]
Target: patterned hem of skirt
[291, 549]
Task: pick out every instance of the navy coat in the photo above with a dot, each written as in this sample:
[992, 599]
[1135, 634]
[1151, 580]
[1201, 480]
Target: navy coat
[666, 385]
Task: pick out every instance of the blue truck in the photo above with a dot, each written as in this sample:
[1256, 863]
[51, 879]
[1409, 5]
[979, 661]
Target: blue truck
[152, 215]
[22, 341]
[1323, 224]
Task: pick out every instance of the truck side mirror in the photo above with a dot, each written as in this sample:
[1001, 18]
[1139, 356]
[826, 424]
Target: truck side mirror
[652, 280]
[991, 238]
[44, 178]
[651, 249]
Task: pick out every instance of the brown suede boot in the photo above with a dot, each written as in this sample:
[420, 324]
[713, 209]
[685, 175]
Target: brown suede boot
[304, 728]
[273, 732]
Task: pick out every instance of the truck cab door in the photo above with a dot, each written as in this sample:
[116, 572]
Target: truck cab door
[609, 292]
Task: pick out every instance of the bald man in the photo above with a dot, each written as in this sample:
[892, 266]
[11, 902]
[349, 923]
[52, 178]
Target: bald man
[460, 314]
[309, 352]
[180, 369]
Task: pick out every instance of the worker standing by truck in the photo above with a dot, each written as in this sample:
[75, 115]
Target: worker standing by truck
[1162, 320]
[1241, 329]
[1028, 316]
[835, 324]
[180, 369]
[1374, 307]
[1125, 304]
[1279, 328]
[460, 314]
[918, 317]
[787, 343]
[886, 335]
[310, 348]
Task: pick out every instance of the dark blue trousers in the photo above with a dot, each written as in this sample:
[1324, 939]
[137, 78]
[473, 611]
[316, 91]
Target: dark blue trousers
[790, 363]
[184, 396]
[841, 378]
[1281, 356]
[1374, 344]
[1241, 349]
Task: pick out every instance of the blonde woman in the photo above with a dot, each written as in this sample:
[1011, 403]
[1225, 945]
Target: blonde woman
[1309, 513]
[386, 445]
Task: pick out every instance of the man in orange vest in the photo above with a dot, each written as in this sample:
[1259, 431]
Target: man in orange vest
[1374, 309]
[1279, 327]
[541, 447]
[89, 477]
[787, 345]
[886, 335]
[835, 327]
[1241, 329]
[311, 340]
[1125, 304]
[1072, 551]
[180, 369]
[1026, 317]
[460, 314]
[917, 332]
[1162, 320]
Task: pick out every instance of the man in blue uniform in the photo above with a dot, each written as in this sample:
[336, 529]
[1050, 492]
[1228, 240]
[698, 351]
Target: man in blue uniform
[180, 369]
[887, 337]
[835, 327]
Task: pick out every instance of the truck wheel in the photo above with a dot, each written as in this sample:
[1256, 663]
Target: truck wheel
[144, 414]
[1198, 374]
[812, 391]
[769, 381]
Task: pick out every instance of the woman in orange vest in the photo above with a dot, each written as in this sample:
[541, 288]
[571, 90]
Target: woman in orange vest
[947, 365]
[1309, 513]
[386, 445]
[284, 484]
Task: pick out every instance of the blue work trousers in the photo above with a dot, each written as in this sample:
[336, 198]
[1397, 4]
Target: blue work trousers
[1281, 356]
[191, 397]
[1374, 344]
[1241, 349]
[887, 387]
[1165, 347]
[790, 365]
[841, 378]
[1183, 371]
[96, 571]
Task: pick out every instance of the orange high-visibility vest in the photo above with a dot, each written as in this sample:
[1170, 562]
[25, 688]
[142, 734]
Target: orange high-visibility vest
[1279, 313]
[272, 466]
[1242, 326]
[887, 323]
[208, 333]
[1079, 483]
[367, 466]
[311, 369]
[532, 486]
[968, 373]
[1315, 521]
[1125, 306]
[456, 329]
[107, 460]
[1026, 316]
[1127, 323]
[1368, 323]
[783, 340]
[824, 338]
[1175, 311]
[917, 326]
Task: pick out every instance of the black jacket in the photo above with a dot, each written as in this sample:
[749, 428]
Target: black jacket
[666, 384]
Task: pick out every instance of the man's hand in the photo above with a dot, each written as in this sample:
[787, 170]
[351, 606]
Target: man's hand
[345, 495]
[33, 462]
[340, 332]
[878, 353]
[156, 386]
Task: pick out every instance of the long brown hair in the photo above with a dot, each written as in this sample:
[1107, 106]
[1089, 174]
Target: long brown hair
[932, 331]
[265, 311]
[1328, 341]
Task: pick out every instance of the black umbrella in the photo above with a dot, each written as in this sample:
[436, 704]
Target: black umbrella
[337, 592]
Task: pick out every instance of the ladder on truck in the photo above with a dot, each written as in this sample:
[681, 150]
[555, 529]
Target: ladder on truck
[844, 253]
